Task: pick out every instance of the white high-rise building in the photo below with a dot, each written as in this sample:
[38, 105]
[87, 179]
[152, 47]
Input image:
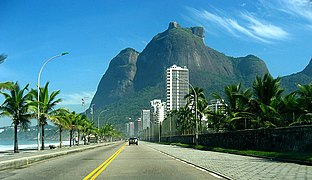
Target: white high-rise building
[127, 128]
[131, 129]
[146, 118]
[157, 111]
[177, 87]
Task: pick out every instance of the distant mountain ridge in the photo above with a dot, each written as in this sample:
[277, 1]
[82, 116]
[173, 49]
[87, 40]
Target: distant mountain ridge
[290, 82]
[133, 78]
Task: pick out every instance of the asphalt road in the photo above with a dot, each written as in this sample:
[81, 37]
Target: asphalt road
[117, 161]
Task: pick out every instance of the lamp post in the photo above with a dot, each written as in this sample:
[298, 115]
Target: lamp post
[38, 95]
[170, 127]
[83, 102]
[99, 117]
[196, 124]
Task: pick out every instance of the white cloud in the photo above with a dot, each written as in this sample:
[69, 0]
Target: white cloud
[299, 11]
[76, 98]
[246, 31]
[263, 29]
[302, 8]
[243, 26]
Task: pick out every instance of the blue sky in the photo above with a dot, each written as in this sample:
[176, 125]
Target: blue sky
[95, 31]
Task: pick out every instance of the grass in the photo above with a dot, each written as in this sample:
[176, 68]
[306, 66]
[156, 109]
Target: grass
[293, 156]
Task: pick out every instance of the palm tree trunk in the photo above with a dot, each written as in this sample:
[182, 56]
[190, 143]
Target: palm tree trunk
[78, 138]
[61, 142]
[85, 139]
[42, 137]
[70, 137]
[200, 123]
[15, 139]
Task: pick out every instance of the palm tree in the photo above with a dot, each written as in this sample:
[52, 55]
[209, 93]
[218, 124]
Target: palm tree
[86, 127]
[237, 111]
[81, 123]
[47, 104]
[185, 120]
[200, 101]
[6, 85]
[232, 97]
[203, 110]
[61, 119]
[108, 130]
[305, 102]
[16, 106]
[267, 89]
[191, 96]
[289, 109]
[72, 125]
[217, 120]
[2, 58]
[267, 93]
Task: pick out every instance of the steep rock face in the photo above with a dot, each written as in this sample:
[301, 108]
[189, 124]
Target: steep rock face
[118, 79]
[181, 46]
[185, 47]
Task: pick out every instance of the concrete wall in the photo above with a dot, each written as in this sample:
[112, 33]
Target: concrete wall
[281, 139]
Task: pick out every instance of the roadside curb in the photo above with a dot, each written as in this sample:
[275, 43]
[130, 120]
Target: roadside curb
[16, 163]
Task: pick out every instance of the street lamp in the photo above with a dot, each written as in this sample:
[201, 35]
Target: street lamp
[196, 124]
[83, 102]
[99, 117]
[38, 95]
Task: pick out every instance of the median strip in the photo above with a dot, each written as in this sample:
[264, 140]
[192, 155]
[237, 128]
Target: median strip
[96, 172]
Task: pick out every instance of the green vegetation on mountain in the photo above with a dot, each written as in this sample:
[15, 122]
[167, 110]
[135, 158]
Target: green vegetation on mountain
[290, 82]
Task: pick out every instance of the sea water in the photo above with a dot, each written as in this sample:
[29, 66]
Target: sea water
[24, 144]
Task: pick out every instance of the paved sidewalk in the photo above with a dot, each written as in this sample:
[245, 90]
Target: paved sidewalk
[8, 159]
[236, 166]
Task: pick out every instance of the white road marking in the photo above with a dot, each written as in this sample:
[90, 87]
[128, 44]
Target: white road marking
[201, 169]
[215, 175]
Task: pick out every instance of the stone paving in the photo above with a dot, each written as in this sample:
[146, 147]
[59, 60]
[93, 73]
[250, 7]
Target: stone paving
[236, 166]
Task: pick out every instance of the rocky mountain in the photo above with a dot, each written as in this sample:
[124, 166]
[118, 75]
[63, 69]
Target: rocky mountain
[185, 47]
[117, 82]
[133, 79]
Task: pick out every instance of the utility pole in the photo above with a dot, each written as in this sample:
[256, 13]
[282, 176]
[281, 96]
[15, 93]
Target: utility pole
[170, 127]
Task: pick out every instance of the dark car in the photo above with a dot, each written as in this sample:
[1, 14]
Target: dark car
[133, 141]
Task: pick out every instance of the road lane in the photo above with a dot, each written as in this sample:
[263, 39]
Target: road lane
[71, 166]
[143, 162]
[132, 162]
